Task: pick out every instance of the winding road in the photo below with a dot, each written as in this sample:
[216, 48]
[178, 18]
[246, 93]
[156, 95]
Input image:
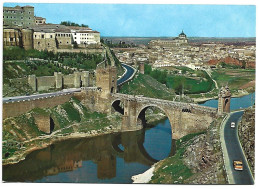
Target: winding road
[233, 151]
[130, 71]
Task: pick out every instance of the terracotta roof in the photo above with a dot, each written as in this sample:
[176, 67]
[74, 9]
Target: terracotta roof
[39, 18]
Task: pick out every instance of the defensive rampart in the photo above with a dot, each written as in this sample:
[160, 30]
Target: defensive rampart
[60, 81]
[13, 109]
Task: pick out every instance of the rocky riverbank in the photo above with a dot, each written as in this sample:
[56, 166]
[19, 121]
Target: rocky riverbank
[246, 131]
[198, 160]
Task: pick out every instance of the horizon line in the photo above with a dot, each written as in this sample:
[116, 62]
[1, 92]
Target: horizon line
[172, 37]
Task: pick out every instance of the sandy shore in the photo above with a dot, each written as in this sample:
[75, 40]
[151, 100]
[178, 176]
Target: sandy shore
[144, 177]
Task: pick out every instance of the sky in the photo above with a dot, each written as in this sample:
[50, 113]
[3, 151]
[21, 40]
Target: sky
[154, 20]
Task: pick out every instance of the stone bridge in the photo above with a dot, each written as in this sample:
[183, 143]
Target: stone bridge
[185, 118]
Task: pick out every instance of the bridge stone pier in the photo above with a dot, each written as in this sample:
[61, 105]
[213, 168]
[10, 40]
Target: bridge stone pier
[185, 118]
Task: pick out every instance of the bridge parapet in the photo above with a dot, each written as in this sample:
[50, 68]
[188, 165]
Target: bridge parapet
[165, 103]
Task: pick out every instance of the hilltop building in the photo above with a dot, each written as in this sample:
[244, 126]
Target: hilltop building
[181, 40]
[40, 20]
[23, 29]
[18, 16]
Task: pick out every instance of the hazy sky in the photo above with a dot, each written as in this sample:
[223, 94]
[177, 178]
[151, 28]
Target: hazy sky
[155, 20]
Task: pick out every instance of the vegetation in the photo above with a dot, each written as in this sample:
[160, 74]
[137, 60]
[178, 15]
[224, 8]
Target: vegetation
[235, 78]
[68, 118]
[69, 23]
[74, 60]
[147, 86]
[202, 83]
[172, 169]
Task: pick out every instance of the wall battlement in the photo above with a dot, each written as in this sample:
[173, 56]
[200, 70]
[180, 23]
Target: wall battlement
[60, 81]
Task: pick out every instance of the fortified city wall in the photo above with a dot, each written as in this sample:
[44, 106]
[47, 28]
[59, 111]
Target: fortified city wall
[60, 81]
[13, 109]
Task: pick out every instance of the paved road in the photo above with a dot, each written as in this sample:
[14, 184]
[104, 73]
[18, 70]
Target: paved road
[235, 151]
[129, 74]
[21, 98]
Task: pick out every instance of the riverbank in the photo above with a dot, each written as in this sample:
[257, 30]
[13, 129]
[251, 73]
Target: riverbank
[198, 160]
[47, 140]
[240, 93]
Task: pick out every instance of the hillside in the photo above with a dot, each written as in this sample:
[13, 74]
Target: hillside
[21, 133]
[147, 86]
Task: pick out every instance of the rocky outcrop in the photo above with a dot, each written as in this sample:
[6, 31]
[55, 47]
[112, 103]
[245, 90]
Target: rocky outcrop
[246, 133]
[204, 158]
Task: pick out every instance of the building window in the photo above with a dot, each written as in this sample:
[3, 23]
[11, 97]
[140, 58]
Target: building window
[48, 44]
[38, 43]
[21, 17]
[11, 39]
[36, 21]
[6, 16]
[67, 42]
[29, 18]
[34, 36]
[75, 38]
[60, 42]
[21, 22]
[3, 16]
[29, 12]
[42, 36]
[50, 36]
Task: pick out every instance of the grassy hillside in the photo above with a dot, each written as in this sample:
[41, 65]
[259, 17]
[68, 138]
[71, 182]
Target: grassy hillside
[147, 86]
[235, 78]
[70, 117]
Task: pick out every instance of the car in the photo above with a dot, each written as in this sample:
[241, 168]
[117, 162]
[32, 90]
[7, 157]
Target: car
[233, 125]
[238, 165]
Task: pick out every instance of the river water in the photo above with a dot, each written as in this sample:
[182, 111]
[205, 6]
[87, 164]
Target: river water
[112, 158]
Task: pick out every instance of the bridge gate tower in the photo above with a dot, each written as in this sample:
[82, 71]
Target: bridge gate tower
[106, 79]
[224, 98]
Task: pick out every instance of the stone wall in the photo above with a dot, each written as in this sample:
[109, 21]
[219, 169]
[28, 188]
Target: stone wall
[12, 37]
[68, 81]
[13, 109]
[27, 38]
[86, 51]
[45, 83]
[60, 81]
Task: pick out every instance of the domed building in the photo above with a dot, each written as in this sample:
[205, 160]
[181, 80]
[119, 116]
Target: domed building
[181, 40]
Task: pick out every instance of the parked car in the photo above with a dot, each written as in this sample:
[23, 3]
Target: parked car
[238, 165]
[233, 125]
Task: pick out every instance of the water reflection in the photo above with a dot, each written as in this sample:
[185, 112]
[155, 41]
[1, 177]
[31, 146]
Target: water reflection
[109, 158]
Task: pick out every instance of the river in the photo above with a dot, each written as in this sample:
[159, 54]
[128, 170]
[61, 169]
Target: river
[112, 158]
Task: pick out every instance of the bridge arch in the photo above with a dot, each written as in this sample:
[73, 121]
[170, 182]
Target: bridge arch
[116, 106]
[140, 114]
